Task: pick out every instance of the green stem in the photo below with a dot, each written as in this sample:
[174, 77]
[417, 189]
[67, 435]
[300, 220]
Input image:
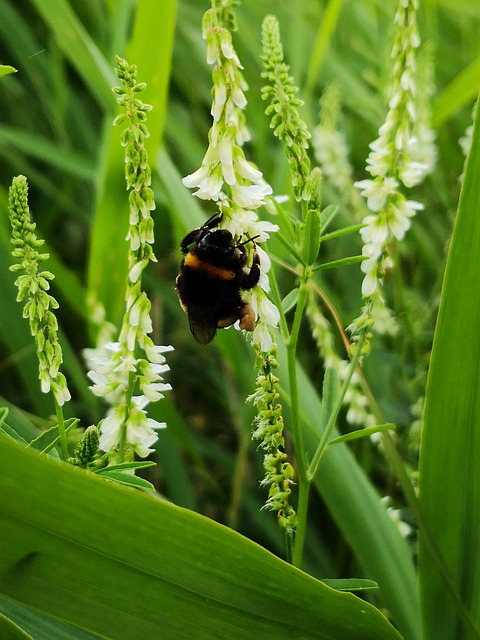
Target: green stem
[278, 302]
[61, 429]
[303, 484]
[123, 431]
[312, 469]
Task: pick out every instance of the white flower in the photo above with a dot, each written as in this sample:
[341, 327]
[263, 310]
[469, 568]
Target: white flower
[399, 217]
[196, 178]
[375, 231]
[370, 282]
[377, 191]
[412, 173]
[246, 170]
[155, 352]
[262, 336]
[250, 196]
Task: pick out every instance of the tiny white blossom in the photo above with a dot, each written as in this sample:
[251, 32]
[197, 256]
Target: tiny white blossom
[262, 336]
[377, 191]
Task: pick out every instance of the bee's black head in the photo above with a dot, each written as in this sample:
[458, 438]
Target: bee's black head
[215, 244]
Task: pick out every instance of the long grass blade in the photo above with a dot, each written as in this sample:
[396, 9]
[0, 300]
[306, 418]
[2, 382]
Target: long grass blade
[450, 451]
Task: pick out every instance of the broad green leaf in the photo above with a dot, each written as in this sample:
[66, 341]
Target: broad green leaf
[127, 565]
[450, 446]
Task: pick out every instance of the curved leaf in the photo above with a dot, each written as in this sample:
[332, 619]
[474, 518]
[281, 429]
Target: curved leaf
[126, 565]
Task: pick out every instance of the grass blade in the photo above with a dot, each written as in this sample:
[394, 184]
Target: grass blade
[450, 451]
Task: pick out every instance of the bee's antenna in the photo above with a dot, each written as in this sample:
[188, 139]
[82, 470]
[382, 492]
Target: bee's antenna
[239, 244]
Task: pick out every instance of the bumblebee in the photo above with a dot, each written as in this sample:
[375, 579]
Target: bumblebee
[211, 280]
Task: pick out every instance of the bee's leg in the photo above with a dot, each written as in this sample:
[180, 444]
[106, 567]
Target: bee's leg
[253, 276]
[226, 322]
[213, 221]
[196, 234]
[189, 239]
[247, 318]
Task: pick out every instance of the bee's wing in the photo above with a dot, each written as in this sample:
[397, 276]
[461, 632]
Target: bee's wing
[202, 324]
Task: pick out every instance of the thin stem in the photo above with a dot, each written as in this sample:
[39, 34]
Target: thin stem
[122, 446]
[312, 469]
[303, 485]
[278, 301]
[61, 429]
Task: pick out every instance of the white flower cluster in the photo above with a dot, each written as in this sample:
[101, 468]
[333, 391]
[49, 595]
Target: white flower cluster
[225, 175]
[112, 373]
[128, 373]
[392, 160]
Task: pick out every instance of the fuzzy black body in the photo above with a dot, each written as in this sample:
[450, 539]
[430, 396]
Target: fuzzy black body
[211, 280]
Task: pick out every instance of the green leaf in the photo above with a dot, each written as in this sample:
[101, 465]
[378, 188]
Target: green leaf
[450, 452]
[126, 465]
[127, 479]
[290, 300]
[49, 438]
[342, 262]
[344, 231]
[125, 565]
[327, 215]
[361, 433]
[6, 69]
[311, 236]
[3, 415]
[12, 433]
[350, 584]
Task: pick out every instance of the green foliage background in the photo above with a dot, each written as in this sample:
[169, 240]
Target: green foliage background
[55, 128]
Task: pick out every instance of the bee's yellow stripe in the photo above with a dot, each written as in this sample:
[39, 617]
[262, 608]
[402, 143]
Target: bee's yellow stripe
[194, 262]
